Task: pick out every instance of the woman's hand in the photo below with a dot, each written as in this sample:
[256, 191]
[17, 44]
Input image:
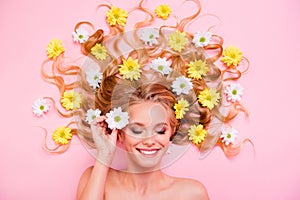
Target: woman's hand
[105, 140]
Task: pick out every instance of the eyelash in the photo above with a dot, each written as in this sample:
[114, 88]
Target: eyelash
[139, 132]
[136, 132]
[162, 131]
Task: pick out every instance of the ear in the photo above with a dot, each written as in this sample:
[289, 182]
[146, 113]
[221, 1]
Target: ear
[121, 136]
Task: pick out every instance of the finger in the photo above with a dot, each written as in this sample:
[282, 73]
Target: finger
[114, 134]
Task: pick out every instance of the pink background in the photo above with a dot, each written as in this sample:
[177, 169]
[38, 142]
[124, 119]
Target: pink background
[266, 31]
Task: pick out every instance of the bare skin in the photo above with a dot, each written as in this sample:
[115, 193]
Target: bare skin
[146, 139]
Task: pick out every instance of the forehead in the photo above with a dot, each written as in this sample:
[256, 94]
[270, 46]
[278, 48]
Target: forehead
[148, 113]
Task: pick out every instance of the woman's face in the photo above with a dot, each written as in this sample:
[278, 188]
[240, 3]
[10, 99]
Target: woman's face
[147, 136]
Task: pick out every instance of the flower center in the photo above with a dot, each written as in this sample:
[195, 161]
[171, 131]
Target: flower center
[234, 92]
[182, 85]
[93, 117]
[208, 98]
[160, 67]
[228, 135]
[42, 107]
[130, 67]
[96, 77]
[151, 36]
[117, 118]
[202, 39]
[80, 36]
[178, 40]
[116, 15]
[62, 134]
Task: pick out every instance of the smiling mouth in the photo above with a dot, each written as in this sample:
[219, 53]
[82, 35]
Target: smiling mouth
[148, 152]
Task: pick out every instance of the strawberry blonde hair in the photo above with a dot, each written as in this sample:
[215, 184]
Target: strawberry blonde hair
[114, 91]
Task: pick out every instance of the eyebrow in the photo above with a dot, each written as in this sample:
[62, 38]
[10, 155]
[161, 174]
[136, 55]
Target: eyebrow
[141, 124]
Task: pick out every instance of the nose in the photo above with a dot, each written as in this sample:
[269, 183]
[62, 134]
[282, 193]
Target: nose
[149, 141]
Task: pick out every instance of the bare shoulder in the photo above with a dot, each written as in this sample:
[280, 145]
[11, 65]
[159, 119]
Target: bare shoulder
[84, 179]
[192, 189]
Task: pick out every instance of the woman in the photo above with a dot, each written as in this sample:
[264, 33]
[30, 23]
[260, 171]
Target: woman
[146, 139]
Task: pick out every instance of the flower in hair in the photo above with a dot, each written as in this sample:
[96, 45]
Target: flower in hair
[62, 135]
[40, 107]
[177, 40]
[149, 35]
[202, 39]
[234, 92]
[93, 77]
[181, 85]
[209, 98]
[197, 69]
[161, 65]
[99, 51]
[181, 107]
[163, 11]
[54, 48]
[232, 56]
[130, 69]
[80, 35]
[116, 16]
[197, 133]
[117, 119]
[229, 135]
[92, 114]
[71, 100]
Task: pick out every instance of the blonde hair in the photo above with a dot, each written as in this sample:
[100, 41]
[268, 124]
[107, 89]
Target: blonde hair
[114, 91]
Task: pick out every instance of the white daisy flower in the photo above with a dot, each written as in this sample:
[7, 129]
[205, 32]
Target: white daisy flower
[40, 107]
[117, 119]
[234, 92]
[91, 115]
[161, 65]
[229, 135]
[80, 35]
[149, 35]
[202, 39]
[182, 85]
[93, 77]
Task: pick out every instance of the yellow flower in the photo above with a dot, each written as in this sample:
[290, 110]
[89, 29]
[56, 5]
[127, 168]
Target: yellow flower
[181, 107]
[177, 40]
[130, 69]
[54, 48]
[163, 11]
[232, 56]
[116, 16]
[209, 97]
[99, 51]
[197, 134]
[62, 135]
[71, 100]
[197, 69]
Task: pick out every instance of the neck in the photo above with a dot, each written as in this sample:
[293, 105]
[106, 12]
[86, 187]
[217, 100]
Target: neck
[143, 182]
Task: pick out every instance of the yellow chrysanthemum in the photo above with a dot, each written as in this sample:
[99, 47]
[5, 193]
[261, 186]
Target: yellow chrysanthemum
[130, 69]
[180, 108]
[71, 100]
[99, 51]
[163, 11]
[55, 48]
[62, 135]
[232, 56]
[197, 69]
[197, 133]
[116, 16]
[209, 97]
[177, 40]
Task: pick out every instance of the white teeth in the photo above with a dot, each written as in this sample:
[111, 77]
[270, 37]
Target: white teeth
[148, 152]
